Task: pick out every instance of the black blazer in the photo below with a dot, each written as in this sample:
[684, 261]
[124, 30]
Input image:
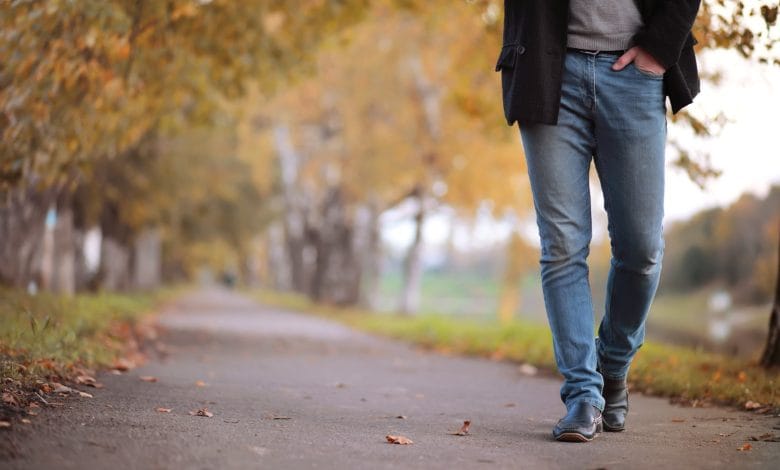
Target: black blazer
[531, 58]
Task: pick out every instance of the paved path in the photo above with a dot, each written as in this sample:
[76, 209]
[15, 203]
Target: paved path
[342, 392]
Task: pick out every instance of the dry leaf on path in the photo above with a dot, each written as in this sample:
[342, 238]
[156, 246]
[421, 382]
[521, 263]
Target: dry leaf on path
[398, 440]
[9, 399]
[768, 437]
[745, 447]
[4, 424]
[164, 410]
[86, 380]
[84, 394]
[202, 412]
[59, 388]
[123, 364]
[25, 421]
[678, 420]
[148, 378]
[752, 405]
[200, 383]
[464, 430]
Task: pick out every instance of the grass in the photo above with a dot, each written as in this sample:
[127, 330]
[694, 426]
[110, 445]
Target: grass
[658, 369]
[47, 335]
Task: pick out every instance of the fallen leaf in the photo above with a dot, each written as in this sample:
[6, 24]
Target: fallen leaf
[745, 447]
[123, 364]
[86, 380]
[25, 421]
[33, 405]
[678, 420]
[398, 440]
[752, 405]
[400, 417]
[45, 388]
[9, 399]
[84, 394]
[341, 385]
[464, 430]
[510, 405]
[164, 410]
[59, 388]
[768, 437]
[4, 424]
[202, 412]
[200, 383]
[32, 413]
[148, 378]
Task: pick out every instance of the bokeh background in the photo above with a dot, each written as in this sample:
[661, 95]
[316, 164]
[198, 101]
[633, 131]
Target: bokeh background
[353, 152]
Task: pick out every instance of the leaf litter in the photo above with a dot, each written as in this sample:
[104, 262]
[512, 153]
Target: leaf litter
[401, 440]
[464, 430]
[202, 412]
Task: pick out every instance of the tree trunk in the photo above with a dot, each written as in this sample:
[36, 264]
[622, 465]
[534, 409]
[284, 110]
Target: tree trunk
[370, 255]
[771, 356]
[63, 273]
[410, 295]
[147, 259]
[294, 218]
[22, 226]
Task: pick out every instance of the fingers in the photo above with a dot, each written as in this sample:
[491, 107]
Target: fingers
[625, 59]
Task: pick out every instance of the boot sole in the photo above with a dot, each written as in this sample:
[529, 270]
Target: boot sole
[574, 437]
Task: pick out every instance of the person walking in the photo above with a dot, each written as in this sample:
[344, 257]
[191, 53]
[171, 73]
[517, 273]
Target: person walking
[587, 81]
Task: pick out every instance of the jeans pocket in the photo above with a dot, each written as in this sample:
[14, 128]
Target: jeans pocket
[647, 73]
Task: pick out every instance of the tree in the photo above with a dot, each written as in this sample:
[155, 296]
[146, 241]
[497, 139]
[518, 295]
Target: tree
[771, 355]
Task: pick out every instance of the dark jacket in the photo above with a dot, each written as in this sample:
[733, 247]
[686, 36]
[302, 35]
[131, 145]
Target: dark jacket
[531, 59]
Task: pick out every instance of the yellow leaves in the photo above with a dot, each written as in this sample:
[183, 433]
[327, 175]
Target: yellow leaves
[184, 10]
[273, 22]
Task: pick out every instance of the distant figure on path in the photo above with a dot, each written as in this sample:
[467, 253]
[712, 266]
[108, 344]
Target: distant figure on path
[587, 80]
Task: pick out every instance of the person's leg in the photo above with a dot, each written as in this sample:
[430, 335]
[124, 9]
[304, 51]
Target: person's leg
[631, 137]
[558, 159]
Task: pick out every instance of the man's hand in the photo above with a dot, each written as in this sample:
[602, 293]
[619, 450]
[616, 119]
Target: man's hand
[642, 60]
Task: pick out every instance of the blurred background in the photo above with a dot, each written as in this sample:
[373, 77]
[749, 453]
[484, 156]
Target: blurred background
[353, 152]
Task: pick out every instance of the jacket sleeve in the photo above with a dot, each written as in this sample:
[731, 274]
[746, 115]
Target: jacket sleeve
[665, 32]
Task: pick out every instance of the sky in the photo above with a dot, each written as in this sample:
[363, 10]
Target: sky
[747, 151]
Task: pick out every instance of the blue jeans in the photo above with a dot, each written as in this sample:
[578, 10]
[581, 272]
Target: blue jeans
[617, 120]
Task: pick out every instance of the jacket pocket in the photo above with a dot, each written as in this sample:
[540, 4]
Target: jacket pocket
[508, 56]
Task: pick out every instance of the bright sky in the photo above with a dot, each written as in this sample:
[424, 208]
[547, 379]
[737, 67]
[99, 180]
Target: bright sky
[747, 151]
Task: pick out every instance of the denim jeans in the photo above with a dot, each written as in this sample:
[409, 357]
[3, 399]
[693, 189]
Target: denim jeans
[617, 119]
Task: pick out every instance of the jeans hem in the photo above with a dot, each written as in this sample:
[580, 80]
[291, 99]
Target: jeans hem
[599, 404]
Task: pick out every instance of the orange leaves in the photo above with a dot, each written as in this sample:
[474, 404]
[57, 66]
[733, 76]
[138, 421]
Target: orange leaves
[464, 430]
[401, 440]
[745, 447]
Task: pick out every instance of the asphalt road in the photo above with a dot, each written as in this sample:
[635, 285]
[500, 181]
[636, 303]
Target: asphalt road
[292, 391]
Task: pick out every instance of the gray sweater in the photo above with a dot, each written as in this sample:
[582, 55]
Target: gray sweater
[603, 25]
